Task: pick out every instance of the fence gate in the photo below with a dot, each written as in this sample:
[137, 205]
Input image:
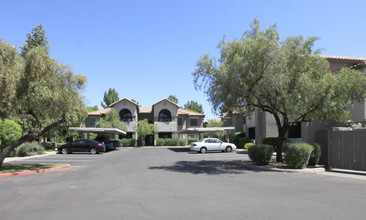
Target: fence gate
[347, 149]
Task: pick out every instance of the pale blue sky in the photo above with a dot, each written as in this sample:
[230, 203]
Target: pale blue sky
[147, 50]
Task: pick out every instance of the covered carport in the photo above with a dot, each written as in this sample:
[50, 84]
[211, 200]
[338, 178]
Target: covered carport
[199, 131]
[88, 131]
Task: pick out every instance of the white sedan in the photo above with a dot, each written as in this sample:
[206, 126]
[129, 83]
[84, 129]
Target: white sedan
[214, 144]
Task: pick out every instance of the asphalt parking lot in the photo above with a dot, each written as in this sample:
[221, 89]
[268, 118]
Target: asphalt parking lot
[171, 183]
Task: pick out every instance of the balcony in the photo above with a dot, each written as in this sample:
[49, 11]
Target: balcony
[170, 126]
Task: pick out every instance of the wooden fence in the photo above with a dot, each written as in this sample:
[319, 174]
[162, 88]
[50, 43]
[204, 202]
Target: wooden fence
[343, 149]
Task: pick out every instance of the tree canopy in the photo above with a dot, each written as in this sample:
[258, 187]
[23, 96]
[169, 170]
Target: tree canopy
[34, 39]
[145, 128]
[109, 97]
[173, 98]
[111, 120]
[38, 93]
[284, 78]
[194, 106]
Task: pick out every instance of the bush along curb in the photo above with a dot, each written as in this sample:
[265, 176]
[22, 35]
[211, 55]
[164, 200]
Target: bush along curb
[34, 171]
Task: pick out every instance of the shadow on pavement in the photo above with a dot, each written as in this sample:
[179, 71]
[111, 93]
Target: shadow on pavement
[205, 167]
[180, 149]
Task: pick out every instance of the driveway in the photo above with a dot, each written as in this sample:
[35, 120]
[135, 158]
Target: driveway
[170, 183]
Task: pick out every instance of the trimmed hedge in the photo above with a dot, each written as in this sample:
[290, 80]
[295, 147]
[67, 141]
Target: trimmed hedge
[128, 142]
[237, 136]
[243, 141]
[190, 140]
[248, 145]
[171, 142]
[315, 154]
[260, 153]
[29, 149]
[298, 154]
[182, 142]
[160, 142]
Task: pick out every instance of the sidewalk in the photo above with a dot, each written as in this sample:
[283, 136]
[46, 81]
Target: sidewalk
[11, 159]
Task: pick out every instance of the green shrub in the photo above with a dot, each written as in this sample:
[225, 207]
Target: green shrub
[237, 136]
[49, 145]
[260, 153]
[29, 149]
[160, 142]
[248, 145]
[298, 154]
[182, 142]
[132, 142]
[243, 141]
[128, 142]
[190, 140]
[168, 141]
[315, 154]
[10, 131]
[171, 142]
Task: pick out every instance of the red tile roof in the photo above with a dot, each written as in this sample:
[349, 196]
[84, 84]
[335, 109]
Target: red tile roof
[100, 112]
[182, 111]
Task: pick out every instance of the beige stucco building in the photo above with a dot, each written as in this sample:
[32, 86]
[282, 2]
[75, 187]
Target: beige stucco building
[166, 115]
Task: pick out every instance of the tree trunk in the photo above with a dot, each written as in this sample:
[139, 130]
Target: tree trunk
[281, 136]
[27, 138]
[4, 153]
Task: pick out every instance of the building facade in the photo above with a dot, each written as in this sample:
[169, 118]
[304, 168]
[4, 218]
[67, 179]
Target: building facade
[166, 115]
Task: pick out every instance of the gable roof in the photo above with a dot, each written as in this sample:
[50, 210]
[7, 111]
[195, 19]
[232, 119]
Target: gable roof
[167, 101]
[114, 103]
[100, 112]
[182, 111]
[145, 110]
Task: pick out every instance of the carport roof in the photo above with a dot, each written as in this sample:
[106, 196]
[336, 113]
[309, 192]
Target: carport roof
[99, 130]
[201, 130]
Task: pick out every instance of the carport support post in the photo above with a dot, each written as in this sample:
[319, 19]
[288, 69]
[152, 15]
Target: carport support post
[200, 136]
[87, 135]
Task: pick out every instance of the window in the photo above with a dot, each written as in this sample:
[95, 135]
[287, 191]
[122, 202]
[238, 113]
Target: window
[194, 122]
[125, 115]
[165, 116]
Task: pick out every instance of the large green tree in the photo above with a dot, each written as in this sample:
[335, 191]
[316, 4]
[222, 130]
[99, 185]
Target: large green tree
[144, 128]
[109, 97]
[39, 92]
[194, 106]
[34, 39]
[111, 120]
[284, 78]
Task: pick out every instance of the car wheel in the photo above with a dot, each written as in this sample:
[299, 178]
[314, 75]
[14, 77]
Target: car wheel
[229, 149]
[64, 150]
[203, 150]
[93, 150]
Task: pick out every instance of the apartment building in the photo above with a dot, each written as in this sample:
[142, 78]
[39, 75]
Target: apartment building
[166, 115]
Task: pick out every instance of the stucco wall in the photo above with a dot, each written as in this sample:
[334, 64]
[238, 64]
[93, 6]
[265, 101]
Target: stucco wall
[166, 126]
[131, 126]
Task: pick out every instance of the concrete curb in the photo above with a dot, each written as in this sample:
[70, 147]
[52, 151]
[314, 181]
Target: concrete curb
[34, 171]
[306, 170]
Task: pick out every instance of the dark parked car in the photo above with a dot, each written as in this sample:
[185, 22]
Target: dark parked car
[82, 145]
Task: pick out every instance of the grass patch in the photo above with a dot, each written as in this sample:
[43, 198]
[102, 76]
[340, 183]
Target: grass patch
[13, 168]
